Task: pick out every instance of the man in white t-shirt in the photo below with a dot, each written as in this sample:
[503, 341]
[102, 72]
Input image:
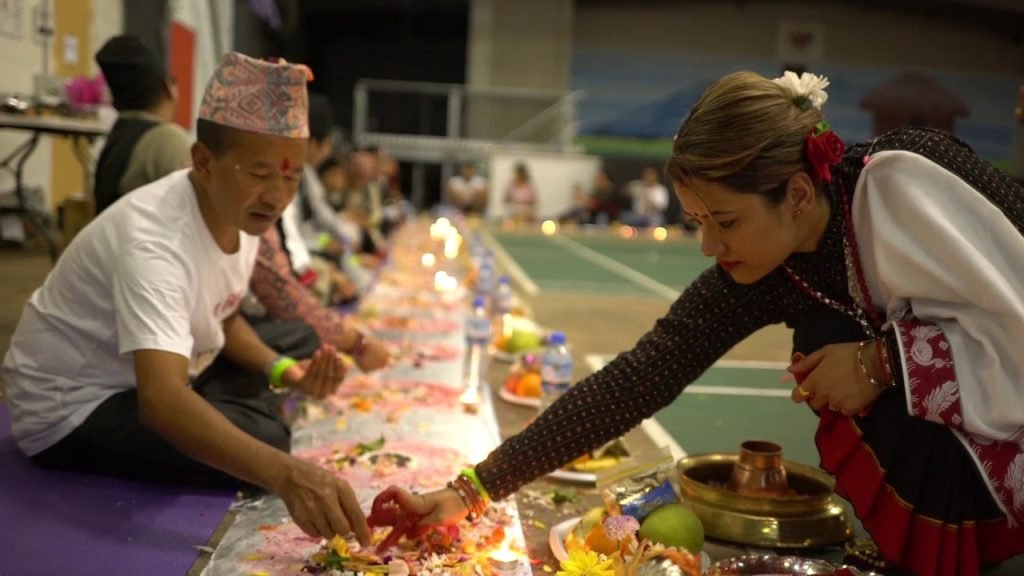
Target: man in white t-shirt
[467, 190]
[108, 368]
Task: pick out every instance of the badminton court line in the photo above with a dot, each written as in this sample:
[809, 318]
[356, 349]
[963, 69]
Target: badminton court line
[617, 268]
[596, 362]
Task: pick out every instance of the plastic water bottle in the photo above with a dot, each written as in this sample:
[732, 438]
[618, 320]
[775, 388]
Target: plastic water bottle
[478, 335]
[477, 251]
[555, 371]
[485, 281]
[502, 302]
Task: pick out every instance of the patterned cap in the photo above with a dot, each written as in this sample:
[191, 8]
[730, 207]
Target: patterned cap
[264, 96]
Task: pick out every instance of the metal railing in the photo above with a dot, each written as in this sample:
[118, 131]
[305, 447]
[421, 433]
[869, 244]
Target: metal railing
[443, 122]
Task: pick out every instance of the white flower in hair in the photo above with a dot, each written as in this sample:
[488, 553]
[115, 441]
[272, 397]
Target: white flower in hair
[806, 89]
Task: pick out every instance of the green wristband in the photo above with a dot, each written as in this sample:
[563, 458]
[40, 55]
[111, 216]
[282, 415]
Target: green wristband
[277, 370]
[325, 240]
[471, 474]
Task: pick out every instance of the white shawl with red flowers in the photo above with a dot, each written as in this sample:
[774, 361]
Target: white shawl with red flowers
[948, 268]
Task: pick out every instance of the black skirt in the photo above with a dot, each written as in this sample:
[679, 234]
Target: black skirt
[912, 483]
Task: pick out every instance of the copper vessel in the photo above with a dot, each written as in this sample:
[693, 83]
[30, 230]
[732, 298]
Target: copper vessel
[758, 470]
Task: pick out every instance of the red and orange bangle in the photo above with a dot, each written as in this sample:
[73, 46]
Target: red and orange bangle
[472, 494]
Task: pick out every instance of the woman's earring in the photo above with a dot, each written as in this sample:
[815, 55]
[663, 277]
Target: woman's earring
[798, 212]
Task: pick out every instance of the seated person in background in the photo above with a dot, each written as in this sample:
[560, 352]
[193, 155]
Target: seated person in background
[521, 196]
[333, 176]
[282, 297]
[310, 228]
[144, 144]
[359, 208]
[580, 210]
[650, 199]
[605, 199]
[388, 173]
[111, 368]
[395, 209]
[467, 190]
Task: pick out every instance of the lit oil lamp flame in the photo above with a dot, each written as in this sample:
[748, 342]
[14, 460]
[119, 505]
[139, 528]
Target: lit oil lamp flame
[503, 561]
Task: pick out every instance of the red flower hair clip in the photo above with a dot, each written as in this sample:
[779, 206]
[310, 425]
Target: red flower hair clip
[824, 150]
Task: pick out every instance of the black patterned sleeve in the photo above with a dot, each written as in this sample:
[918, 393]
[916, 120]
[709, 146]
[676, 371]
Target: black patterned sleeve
[710, 317]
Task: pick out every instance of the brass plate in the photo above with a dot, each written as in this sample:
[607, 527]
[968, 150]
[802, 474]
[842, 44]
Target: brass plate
[828, 528]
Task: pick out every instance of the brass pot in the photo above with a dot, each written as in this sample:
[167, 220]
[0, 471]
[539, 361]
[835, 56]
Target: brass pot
[758, 470]
[809, 516]
[705, 478]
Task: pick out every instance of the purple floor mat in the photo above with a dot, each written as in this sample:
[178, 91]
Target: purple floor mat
[62, 523]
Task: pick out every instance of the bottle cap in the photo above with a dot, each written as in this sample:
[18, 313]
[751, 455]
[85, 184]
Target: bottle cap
[557, 338]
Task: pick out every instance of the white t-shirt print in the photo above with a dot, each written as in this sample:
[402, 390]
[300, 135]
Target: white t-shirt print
[146, 274]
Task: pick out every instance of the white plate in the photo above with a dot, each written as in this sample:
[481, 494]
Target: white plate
[556, 539]
[574, 476]
[511, 398]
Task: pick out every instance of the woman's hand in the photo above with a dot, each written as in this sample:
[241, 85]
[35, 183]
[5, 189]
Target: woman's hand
[832, 378]
[413, 515]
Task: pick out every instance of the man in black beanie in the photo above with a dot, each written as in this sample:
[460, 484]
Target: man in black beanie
[144, 144]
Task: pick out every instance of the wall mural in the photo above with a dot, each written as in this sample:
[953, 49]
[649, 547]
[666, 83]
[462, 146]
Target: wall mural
[635, 100]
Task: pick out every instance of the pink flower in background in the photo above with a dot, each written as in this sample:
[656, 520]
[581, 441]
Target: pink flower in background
[83, 92]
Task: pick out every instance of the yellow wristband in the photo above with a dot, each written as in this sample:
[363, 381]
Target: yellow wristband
[471, 474]
[325, 240]
[277, 369]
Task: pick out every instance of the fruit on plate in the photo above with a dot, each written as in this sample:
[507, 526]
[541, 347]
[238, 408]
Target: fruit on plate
[598, 541]
[529, 385]
[674, 525]
[523, 339]
[515, 334]
[576, 539]
[593, 517]
[524, 377]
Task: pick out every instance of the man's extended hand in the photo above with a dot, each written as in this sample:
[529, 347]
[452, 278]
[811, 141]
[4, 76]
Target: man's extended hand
[318, 376]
